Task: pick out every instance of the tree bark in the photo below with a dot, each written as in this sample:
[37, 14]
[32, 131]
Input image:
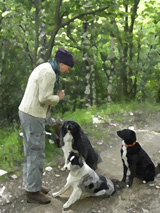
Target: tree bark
[112, 62]
[87, 91]
[36, 3]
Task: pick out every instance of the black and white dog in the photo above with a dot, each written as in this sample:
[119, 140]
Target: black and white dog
[135, 159]
[84, 181]
[72, 138]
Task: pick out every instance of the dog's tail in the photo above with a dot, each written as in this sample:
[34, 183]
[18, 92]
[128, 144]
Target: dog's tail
[157, 170]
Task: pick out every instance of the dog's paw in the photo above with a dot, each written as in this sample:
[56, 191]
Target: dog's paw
[129, 185]
[65, 206]
[63, 168]
[55, 194]
[123, 180]
[144, 181]
[102, 192]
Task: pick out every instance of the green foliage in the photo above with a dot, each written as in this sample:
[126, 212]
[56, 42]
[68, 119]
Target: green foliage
[11, 150]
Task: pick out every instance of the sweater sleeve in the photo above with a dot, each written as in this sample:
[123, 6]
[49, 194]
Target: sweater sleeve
[46, 85]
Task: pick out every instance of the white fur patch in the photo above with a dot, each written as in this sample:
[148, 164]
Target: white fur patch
[72, 158]
[68, 137]
[124, 157]
[67, 148]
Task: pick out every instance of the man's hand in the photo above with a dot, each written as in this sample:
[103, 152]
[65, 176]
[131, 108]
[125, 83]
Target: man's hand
[61, 94]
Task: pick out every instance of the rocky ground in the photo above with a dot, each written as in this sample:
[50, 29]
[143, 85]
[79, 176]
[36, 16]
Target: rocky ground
[140, 198]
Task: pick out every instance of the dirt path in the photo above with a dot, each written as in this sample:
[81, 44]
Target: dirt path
[141, 198]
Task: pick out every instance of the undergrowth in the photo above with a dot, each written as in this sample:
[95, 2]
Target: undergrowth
[109, 112]
[11, 149]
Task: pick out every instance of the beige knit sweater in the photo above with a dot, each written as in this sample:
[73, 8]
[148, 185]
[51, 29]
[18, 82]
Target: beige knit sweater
[39, 91]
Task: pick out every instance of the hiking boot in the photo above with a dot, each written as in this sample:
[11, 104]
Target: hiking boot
[44, 190]
[37, 197]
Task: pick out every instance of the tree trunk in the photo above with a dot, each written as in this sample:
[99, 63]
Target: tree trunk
[87, 91]
[132, 82]
[42, 51]
[37, 31]
[93, 72]
[125, 56]
[110, 80]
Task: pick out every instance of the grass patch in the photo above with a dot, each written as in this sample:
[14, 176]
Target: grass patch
[82, 116]
[52, 152]
[12, 155]
[109, 112]
[11, 150]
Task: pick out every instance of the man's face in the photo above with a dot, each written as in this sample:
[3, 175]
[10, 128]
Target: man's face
[64, 69]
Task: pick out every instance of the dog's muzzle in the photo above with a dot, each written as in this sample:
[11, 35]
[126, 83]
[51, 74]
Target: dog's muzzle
[67, 170]
[68, 167]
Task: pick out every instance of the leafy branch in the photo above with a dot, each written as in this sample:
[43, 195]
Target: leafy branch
[58, 27]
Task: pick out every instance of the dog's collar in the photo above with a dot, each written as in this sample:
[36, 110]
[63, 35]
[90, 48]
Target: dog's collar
[130, 145]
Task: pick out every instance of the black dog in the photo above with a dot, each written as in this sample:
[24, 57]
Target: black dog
[72, 133]
[135, 159]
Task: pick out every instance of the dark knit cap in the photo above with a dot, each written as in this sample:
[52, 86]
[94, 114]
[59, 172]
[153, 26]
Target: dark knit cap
[64, 57]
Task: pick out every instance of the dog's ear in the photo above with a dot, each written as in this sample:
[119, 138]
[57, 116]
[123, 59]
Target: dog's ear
[133, 136]
[71, 153]
[80, 161]
[61, 142]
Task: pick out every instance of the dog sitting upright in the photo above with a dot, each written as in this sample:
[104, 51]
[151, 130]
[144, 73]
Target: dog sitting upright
[135, 159]
[84, 181]
[72, 138]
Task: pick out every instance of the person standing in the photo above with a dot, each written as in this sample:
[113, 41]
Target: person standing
[33, 110]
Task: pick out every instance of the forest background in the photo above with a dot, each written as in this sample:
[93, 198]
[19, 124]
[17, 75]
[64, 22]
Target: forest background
[115, 44]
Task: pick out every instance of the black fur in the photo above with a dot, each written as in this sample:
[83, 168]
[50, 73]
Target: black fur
[80, 143]
[139, 163]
